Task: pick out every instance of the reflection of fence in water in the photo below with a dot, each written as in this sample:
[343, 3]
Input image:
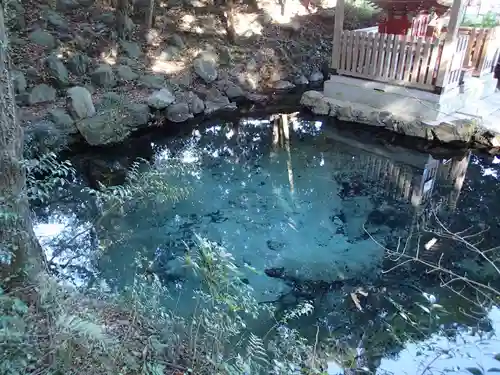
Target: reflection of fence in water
[394, 179]
[405, 183]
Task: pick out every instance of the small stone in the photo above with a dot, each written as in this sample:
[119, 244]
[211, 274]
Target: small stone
[106, 127]
[42, 94]
[211, 107]
[316, 77]
[103, 76]
[19, 81]
[170, 53]
[177, 41]
[225, 56]
[43, 38]
[301, 80]
[55, 20]
[64, 5]
[178, 112]
[57, 71]
[195, 104]
[283, 85]
[152, 81]
[233, 91]
[138, 114]
[131, 49]
[161, 99]
[79, 103]
[206, 69]
[107, 18]
[78, 64]
[125, 73]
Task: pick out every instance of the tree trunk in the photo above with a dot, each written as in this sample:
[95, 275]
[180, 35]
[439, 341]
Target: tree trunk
[230, 26]
[21, 256]
[121, 17]
[149, 14]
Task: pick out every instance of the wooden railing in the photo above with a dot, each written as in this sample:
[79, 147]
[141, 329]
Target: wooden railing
[483, 49]
[401, 60]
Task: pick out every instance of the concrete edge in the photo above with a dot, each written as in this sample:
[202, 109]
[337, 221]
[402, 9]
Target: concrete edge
[464, 132]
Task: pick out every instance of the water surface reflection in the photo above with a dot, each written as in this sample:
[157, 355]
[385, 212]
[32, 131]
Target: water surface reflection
[321, 216]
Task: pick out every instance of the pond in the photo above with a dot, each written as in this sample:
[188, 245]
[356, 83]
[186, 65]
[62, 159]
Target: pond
[311, 213]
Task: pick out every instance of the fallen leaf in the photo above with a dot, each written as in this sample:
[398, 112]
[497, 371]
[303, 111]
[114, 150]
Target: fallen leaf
[356, 301]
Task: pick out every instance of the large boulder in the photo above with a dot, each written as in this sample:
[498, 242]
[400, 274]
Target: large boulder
[316, 76]
[103, 76]
[131, 49]
[114, 122]
[206, 68]
[41, 94]
[125, 73]
[231, 89]
[57, 71]
[43, 136]
[169, 53]
[152, 81]
[161, 99]
[78, 64]
[194, 103]
[79, 103]
[314, 100]
[43, 38]
[63, 121]
[55, 20]
[19, 81]
[215, 100]
[455, 131]
[179, 112]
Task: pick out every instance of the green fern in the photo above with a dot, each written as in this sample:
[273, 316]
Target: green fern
[76, 326]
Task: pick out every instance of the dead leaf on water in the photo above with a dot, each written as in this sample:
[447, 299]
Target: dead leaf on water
[355, 299]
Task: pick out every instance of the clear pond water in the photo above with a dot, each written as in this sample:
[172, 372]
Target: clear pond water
[321, 215]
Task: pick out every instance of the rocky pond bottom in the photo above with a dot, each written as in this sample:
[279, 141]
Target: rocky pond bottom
[310, 217]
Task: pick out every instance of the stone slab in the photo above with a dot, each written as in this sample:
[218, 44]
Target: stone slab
[463, 131]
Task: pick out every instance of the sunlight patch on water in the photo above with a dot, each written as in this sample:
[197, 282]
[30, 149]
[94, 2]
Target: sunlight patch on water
[440, 355]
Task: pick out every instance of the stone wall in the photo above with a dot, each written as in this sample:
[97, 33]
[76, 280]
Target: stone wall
[463, 133]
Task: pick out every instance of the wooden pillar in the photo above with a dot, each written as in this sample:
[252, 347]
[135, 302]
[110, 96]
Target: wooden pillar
[337, 33]
[450, 42]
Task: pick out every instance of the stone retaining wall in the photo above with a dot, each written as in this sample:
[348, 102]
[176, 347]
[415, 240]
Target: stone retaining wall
[459, 132]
